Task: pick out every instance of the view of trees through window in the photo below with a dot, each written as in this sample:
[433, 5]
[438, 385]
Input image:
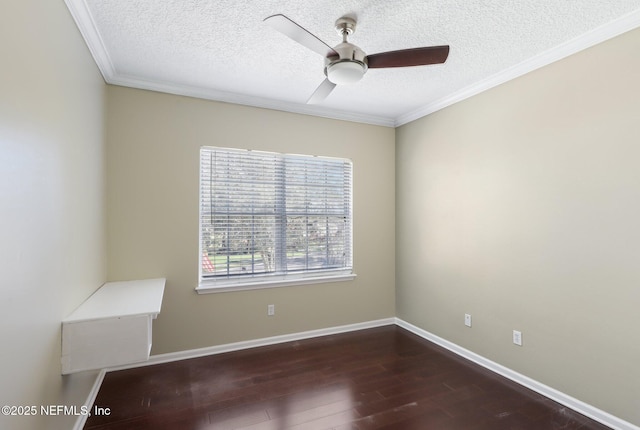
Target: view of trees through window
[266, 213]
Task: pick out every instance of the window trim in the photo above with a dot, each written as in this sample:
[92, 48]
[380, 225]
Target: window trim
[243, 284]
[259, 281]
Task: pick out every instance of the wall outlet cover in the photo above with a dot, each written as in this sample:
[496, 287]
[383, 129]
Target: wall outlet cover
[517, 337]
[467, 320]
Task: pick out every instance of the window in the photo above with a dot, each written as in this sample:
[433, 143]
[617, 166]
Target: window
[269, 219]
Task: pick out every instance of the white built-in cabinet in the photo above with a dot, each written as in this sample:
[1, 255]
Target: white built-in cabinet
[112, 327]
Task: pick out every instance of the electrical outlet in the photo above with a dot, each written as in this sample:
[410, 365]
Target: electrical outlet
[467, 320]
[271, 310]
[517, 337]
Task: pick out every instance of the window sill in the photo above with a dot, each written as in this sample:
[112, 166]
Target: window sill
[210, 287]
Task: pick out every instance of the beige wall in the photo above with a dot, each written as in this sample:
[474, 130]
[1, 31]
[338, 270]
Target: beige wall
[52, 241]
[153, 155]
[521, 206]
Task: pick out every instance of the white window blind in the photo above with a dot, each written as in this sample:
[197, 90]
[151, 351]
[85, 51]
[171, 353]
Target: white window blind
[266, 214]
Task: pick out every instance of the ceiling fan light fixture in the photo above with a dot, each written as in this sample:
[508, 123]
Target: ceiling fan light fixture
[345, 72]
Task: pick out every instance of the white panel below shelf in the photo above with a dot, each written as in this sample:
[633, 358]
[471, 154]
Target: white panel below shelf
[112, 327]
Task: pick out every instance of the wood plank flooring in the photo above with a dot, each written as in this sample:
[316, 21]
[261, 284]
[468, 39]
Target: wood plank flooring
[381, 378]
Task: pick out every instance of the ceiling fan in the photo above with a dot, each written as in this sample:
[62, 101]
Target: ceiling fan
[345, 63]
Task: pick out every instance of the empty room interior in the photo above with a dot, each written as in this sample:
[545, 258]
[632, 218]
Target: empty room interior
[508, 192]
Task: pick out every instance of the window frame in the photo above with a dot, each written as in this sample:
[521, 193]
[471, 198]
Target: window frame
[259, 281]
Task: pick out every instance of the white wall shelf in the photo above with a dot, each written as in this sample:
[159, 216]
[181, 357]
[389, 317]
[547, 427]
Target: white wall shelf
[112, 327]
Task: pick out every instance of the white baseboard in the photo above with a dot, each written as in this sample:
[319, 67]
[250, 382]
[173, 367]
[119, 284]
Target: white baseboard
[88, 404]
[236, 346]
[562, 398]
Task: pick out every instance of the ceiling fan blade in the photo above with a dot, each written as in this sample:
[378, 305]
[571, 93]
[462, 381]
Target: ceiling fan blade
[289, 28]
[409, 57]
[321, 93]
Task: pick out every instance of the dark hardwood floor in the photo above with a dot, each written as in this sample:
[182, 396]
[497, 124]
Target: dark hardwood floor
[381, 378]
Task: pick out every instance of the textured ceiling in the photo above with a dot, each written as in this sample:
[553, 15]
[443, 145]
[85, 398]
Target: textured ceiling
[222, 49]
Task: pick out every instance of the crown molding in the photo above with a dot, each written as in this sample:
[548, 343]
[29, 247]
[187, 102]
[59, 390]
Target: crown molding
[80, 12]
[580, 43]
[81, 15]
[241, 99]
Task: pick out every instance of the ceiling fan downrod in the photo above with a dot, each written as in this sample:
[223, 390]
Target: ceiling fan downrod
[345, 27]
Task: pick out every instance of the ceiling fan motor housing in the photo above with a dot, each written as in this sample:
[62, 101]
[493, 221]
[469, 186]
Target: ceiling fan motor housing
[349, 67]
